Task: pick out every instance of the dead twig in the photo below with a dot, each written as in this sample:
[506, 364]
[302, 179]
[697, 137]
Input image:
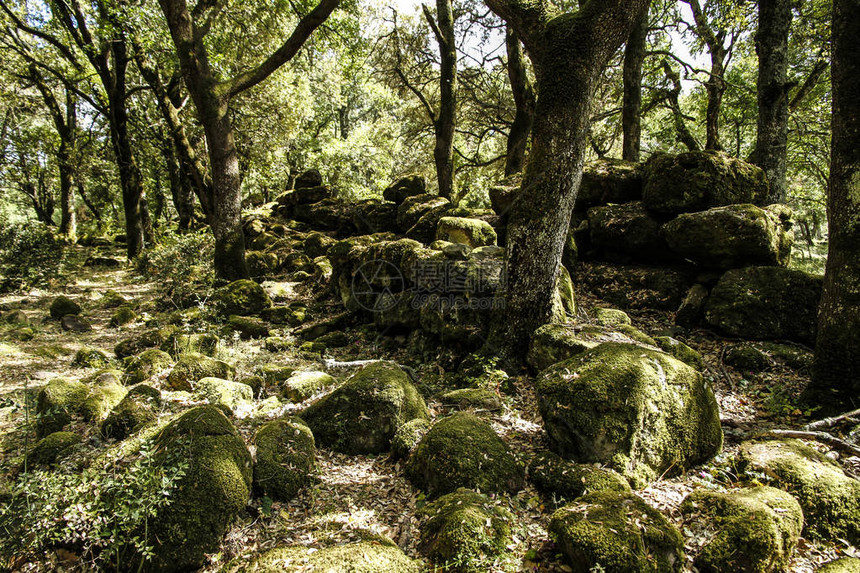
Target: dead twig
[823, 437]
[830, 422]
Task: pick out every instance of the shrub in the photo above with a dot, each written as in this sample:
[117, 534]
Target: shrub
[181, 266]
[30, 255]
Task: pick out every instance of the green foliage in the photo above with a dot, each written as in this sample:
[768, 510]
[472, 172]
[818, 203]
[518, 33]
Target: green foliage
[181, 268]
[30, 255]
[103, 512]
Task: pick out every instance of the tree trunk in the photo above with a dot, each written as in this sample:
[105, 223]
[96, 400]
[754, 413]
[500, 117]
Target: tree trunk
[631, 112]
[445, 124]
[68, 227]
[715, 87]
[685, 136]
[180, 190]
[569, 53]
[836, 370]
[771, 41]
[524, 99]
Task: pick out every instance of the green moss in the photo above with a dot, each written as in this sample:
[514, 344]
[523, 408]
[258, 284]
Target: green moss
[52, 448]
[64, 306]
[747, 357]
[16, 318]
[680, 351]
[361, 557]
[192, 367]
[139, 407]
[302, 385]
[609, 181]
[56, 402]
[462, 450]
[830, 499]
[407, 437]
[146, 365]
[618, 532]
[843, 565]
[214, 489]
[140, 342]
[224, 392]
[465, 531]
[122, 316]
[481, 398]
[553, 343]
[277, 344]
[471, 232]
[635, 334]
[102, 399]
[610, 317]
[362, 415]
[242, 297]
[275, 373]
[88, 357]
[247, 327]
[753, 530]
[179, 344]
[286, 458]
[561, 479]
[639, 410]
[112, 299]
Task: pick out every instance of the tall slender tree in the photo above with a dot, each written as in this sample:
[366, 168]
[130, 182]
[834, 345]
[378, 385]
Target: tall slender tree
[631, 112]
[524, 99]
[211, 97]
[836, 370]
[569, 52]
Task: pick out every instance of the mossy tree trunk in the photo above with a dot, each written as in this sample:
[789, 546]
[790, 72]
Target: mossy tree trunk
[716, 84]
[445, 121]
[836, 371]
[771, 41]
[524, 99]
[569, 52]
[211, 98]
[631, 109]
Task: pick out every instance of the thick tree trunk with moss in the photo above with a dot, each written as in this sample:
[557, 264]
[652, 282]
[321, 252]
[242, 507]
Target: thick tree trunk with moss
[569, 53]
[836, 372]
[524, 99]
[631, 111]
[771, 42]
[446, 120]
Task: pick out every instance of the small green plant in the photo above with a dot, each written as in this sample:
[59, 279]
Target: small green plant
[181, 266]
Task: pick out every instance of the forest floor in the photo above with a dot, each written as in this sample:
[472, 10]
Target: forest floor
[372, 492]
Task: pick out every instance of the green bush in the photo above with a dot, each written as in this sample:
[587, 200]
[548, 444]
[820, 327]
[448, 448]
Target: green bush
[30, 255]
[181, 266]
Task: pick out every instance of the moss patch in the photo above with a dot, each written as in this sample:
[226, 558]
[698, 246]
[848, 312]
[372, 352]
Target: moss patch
[680, 351]
[139, 407]
[559, 478]
[243, 297]
[52, 448]
[302, 385]
[64, 306]
[88, 357]
[146, 365]
[193, 366]
[286, 458]
[56, 402]
[471, 232]
[224, 392]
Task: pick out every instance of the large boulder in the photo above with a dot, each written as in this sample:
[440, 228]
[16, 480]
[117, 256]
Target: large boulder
[405, 187]
[638, 410]
[627, 232]
[373, 555]
[57, 402]
[609, 181]
[243, 297]
[192, 367]
[309, 178]
[699, 180]
[413, 208]
[225, 392]
[362, 415]
[286, 458]
[829, 498]
[424, 230]
[731, 237]
[140, 342]
[146, 365]
[302, 385]
[766, 303]
[138, 408]
[616, 532]
[328, 215]
[552, 343]
[372, 217]
[472, 232]
[51, 449]
[752, 530]
[462, 450]
[465, 531]
[215, 487]
[106, 392]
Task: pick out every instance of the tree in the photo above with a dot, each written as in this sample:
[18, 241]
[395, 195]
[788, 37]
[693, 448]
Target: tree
[631, 114]
[211, 98]
[836, 370]
[771, 41]
[524, 99]
[569, 51]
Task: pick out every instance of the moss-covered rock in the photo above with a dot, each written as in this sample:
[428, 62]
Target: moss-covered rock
[761, 356]
[294, 314]
[302, 385]
[699, 180]
[842, 565]
[146, 365]
[753, 530]
[680, 351]
[561, 479]
[618, 532]
[639, 410]
[747, 357]
[139, 407]
[74, 323]
[471, 232]
[610, 317]
[286, 458]
[479, 398]
[766, 303]
[730, 237]
[462, 450]
[64, 306]
[102, 398]
[262, 264]
[407, 186]
[407, 437]
[179, 344]
[243, 297]
[465, 531]
[248, 327]
[692, 308]
[626, 233]
[112, 299]
[224, 392]
[370, 556]
[16, 318]
[413, 208]
[362, 415]
[334, 339]
[88, 357]
[830, 499]
[140, 342]
[609, 181]
[214, 489]
[193, 366]
[274, 373]
[51, 449]
[122, 316]
[553, 343]
[56, 402]
[277, 344]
